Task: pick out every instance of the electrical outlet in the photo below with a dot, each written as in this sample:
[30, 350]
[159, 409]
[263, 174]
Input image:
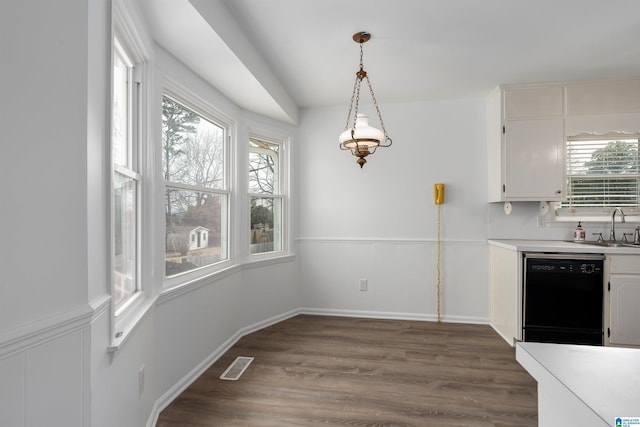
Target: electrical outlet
[363, 284]
[141, 380]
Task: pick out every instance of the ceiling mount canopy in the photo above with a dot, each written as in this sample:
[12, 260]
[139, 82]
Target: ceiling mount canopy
[361, 138]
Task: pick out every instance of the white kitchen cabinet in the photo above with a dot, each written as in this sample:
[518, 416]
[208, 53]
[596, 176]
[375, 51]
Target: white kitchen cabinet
[603, 97]
[526, 144]
[534, 164]
[603, 107]
[527, 126]
[533, 102]
[505, 272]
[621, 302]
[623, 328]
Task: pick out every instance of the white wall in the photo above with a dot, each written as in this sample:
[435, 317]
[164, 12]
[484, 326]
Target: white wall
[43, 161]
[98, 148]
[380, 223]
[115, 396]
[44, 338]
[55, 318]
[194, 328]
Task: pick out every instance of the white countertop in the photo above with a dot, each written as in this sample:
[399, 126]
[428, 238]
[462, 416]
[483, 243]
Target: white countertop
[561, 246]
[605, 379]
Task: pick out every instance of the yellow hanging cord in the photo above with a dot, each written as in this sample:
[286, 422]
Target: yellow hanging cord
[438, 264]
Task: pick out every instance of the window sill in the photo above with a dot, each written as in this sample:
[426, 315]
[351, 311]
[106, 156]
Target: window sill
[591, 219]
[269, 259]
[594, 221]
[562, 216]
[128, 322]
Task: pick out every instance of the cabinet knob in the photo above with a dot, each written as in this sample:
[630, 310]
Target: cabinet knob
[558, 191]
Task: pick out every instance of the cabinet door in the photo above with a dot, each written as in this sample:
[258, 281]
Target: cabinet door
[536, 102]
[624, 313]
[603, 97]
[534, 159]
[504, 280]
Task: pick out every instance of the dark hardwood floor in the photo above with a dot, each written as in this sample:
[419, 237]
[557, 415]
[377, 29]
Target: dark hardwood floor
[334, 371]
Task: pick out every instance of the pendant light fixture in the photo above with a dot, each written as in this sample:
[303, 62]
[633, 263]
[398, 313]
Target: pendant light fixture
[361, 138]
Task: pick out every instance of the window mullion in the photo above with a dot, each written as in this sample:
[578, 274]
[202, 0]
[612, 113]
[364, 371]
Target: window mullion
[194, 188]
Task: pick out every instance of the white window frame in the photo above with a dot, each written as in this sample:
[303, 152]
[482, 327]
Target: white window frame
[282, 194]
[206, 110]
[561, 213]
[130, 171]
[126, 37]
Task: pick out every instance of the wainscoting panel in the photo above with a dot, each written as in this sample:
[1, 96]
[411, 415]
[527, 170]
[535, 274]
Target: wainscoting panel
[401, 278]
[45, 384]
[12, 391]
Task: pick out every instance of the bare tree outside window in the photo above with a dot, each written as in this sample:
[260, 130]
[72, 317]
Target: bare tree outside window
[603, 172]
[196, 198]
[266, 198]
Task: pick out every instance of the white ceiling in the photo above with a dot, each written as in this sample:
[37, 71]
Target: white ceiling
[275, 56]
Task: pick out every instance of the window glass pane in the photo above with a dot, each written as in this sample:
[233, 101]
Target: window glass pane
[192, 147]
[121, 120]
[603, 172]
[266, 224]
[263, 167]
[195, 230]
[125, 212]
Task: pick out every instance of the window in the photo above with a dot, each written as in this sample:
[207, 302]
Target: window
[266, 196]
[603, 172]
[126, 179]
[196, 190]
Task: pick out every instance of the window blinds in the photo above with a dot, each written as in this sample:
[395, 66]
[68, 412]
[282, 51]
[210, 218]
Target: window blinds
[603, 171]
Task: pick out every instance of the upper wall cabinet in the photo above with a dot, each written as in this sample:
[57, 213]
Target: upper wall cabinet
[603, 107]
[527, 126]
[533, 102]
[526, 143]
[603, 97]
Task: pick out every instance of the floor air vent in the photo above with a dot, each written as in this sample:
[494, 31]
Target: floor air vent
[237, 368]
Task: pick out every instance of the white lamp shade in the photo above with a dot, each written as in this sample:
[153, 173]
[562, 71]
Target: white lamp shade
[364, 134]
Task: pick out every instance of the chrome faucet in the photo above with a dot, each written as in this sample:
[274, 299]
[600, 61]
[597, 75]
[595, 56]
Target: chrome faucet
[612, 236]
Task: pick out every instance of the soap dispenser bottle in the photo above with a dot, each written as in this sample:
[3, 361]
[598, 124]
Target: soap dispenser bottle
[579, 233]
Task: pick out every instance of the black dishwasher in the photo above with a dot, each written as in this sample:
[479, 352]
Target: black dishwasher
[563, 298]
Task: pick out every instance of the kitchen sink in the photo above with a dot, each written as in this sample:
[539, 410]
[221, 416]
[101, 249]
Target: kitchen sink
[607, 244]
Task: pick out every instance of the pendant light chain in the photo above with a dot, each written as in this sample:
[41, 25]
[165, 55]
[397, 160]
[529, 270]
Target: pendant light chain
[353, 97]
[363, 74]
[356, 93]
[375, 103]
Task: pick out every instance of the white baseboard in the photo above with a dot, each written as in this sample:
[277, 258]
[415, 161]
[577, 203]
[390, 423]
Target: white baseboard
[196, 372]
[509, 340]
[393, 315]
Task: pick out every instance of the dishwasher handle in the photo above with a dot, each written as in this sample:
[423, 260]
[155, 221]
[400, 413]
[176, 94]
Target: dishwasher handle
[564, 256]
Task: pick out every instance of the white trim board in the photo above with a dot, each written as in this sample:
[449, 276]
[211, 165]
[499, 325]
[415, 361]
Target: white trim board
[393, 315]
[42, 330]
